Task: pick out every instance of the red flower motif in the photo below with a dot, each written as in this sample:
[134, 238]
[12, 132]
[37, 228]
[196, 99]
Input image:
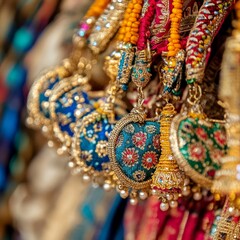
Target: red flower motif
[130, 156]
[197, 152]
[201, 133]
[156, 141]
[216, 155]
[220, 137]
[139, 139]
[149, 160]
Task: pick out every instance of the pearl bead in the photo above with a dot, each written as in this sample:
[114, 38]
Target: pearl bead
[44, 129]
[75, 171]
[186, 181]
[154, 192]
[133, 201]
[185, 191]
[143, 195]
[164, 206]
[95, 185]
[106, 186]
[86, 178]
[231, 210]
[71, 164]
[50, 143]
[197, 196]
[123, 194]
[173, 204]
[169, 197]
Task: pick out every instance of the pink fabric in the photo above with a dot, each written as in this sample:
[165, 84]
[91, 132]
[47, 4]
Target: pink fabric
[153, 220]
[145, 23]
[162, 23]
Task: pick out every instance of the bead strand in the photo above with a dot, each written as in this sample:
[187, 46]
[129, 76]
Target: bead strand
[97, 8]
[175, 17]
[128, 32]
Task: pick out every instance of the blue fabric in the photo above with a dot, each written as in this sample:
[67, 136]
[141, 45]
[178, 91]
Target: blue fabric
[90, 221]
[16, 76]
[113, 227]
[66, 109]
[89, 142]
[48, 85]
[138, 150]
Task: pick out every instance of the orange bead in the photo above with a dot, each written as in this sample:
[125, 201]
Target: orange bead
[126, 16]
[126, 39]
[132, 19]
[177, 45]
[175, 20]
[128, 35]
[134, 39]
[175, 36]
[175, 41]
[130, 5]
[171, 53]
[129, 24]
[134, 34]
[127, 29]
[171, 48]
[177, 5]
[137, 6]
[122, 30]
[120, 37]
[134, 15]
[136, 10]
[134, 30]
[124, 23]
[175, 10]
[135, 24]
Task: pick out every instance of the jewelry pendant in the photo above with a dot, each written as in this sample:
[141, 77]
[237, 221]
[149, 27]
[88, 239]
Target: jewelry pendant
[134, 152]
[38, 98]
[198, 147]
[89, 148]
[168, 179]
[134, 143]
[70, 102]
[41, 90]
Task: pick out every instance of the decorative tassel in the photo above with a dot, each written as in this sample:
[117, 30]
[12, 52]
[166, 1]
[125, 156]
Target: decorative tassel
[168, 179]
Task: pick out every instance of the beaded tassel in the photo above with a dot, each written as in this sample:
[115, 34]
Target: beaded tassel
[168, 179]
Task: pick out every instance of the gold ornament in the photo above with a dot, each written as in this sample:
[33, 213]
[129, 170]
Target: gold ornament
[168, 179]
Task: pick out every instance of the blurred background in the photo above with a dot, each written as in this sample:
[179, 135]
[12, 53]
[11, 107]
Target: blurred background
[38, 198]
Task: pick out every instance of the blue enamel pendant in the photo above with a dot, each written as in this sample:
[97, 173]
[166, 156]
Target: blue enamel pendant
[68, 104]
[134, 151]
[89, 148]
[38, 98]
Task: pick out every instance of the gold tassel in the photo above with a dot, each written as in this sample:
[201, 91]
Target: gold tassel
[228, 225]
[168, 179]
